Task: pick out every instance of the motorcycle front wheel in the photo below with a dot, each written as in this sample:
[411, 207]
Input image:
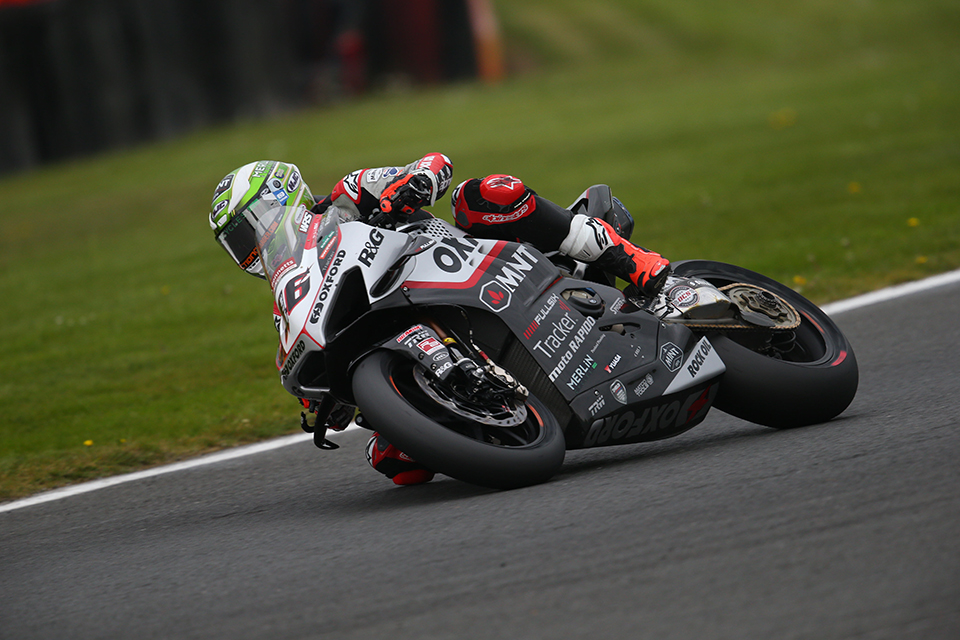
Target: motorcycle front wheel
[804, 376]
[499, 457]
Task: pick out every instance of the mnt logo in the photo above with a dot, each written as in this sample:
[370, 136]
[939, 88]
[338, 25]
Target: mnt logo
[495, 296]
[496, 293]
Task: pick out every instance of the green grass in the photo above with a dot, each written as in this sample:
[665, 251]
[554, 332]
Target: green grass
[816, 143]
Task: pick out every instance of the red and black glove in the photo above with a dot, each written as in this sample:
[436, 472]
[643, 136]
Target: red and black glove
[406, 194]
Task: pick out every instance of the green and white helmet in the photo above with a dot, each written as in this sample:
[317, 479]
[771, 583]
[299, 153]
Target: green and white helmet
[265, 180]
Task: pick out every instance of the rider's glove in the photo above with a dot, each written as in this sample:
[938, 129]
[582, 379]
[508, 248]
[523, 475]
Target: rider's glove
[406, 194]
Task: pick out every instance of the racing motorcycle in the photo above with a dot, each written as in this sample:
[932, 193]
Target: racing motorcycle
[486, 360]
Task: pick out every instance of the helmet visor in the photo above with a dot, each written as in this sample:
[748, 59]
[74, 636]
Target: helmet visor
[239, 237]
[240, 241]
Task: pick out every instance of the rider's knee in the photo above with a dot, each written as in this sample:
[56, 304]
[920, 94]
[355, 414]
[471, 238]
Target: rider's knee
[496, 199]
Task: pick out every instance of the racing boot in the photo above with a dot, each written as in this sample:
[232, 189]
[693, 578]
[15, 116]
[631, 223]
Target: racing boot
[593, 240]
[393, 463]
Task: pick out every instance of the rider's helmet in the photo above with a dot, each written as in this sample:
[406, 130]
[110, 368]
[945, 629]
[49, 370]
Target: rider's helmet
[264, 180]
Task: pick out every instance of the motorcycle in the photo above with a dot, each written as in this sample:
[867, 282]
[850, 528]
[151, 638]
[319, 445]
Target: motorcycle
[486, 360]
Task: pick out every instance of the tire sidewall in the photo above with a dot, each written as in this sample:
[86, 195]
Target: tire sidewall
[446, 451]
[779, 393]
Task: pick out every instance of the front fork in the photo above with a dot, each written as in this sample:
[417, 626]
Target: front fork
[442, 356]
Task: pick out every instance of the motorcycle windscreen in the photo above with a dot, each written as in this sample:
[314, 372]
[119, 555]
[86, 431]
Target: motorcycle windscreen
[279, 237]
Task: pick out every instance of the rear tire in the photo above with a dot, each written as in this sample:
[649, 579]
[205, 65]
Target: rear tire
[495, 457]
[812, 383]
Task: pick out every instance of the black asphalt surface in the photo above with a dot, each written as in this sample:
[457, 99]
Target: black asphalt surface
[844, 530]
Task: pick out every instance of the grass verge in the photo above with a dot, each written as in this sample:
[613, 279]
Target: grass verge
[815, 143]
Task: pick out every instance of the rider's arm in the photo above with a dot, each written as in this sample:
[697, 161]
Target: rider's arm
[361, 190]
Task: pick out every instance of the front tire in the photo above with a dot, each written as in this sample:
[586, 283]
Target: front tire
[495, 457]
[810, 383]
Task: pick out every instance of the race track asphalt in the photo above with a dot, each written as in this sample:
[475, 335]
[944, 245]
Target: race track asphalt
[844, 530]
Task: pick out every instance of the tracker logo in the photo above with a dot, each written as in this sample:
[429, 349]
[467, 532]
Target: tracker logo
[553, 343]
[495, 296]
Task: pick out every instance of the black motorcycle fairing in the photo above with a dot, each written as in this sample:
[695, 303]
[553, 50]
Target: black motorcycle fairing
[623, 375]
[587, 360]
[581, 347]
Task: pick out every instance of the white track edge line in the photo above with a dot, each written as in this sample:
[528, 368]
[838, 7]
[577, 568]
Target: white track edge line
[891, 293]
[211, 458]
[832, 309]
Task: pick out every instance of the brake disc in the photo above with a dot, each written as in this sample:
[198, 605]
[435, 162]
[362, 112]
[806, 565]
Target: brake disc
[513, 415]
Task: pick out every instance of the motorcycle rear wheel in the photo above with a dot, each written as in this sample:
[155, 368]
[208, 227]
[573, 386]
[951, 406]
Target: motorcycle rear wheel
[811, 383]
[489, 456]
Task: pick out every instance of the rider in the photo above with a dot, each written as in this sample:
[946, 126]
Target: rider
[498, 206]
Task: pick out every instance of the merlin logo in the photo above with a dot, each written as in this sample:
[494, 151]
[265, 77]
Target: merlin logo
[581, 372]
[495, 296]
